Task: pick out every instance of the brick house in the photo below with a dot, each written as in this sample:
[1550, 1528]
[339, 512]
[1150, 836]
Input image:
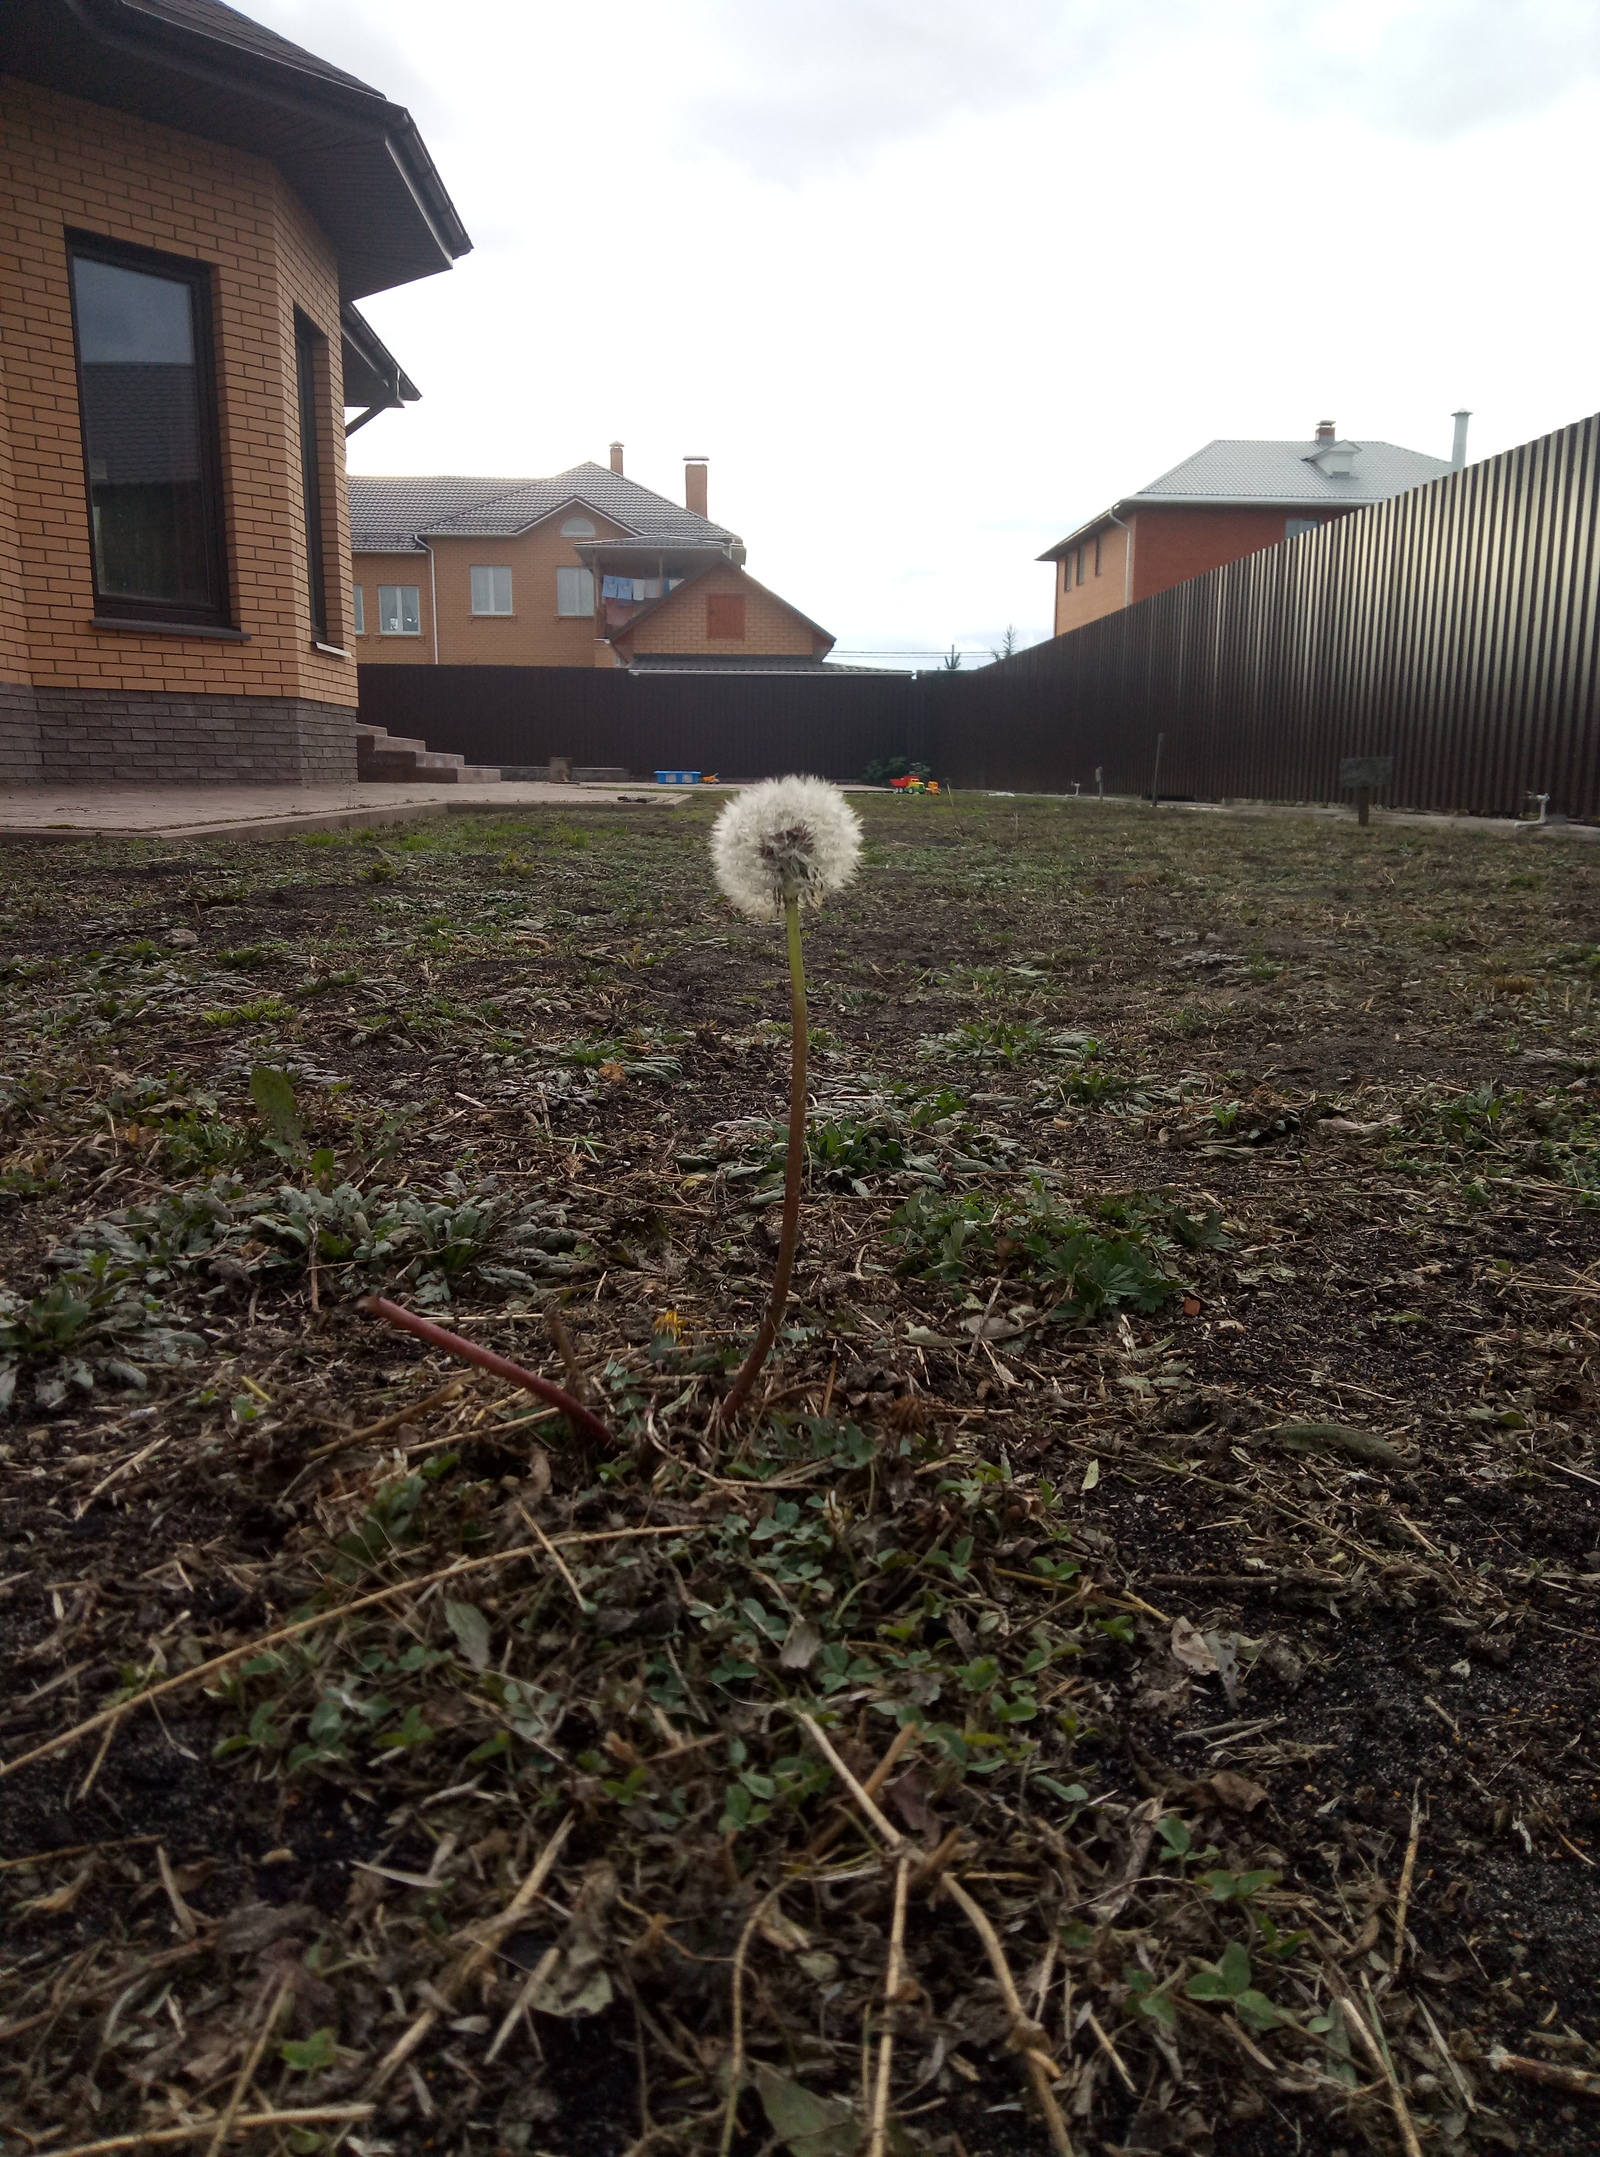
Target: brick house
[1227, 500]
[585, 569]
[190, 207]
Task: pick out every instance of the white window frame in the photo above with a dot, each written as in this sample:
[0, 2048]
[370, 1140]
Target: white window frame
[395, 603]
[574, 592]
[358, 609]
[491, 588]
[578, 528]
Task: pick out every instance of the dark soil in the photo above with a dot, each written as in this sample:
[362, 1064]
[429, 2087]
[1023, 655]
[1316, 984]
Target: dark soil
[1216, 1566]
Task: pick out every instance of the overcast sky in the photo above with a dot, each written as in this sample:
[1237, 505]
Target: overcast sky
[931, 281]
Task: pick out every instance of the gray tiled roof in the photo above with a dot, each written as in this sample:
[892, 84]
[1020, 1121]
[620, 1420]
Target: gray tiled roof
[1280, 472]
[212, 19]
[387, 514]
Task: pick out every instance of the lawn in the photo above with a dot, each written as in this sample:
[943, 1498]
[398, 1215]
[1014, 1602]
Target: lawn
[1141, 1646]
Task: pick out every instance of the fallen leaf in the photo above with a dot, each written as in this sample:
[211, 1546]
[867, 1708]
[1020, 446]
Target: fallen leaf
[802, 1646]
[908, 1794]
[1193, 1650]
[1091, 1476]
[1235, 1793]
[471, 1629]
[807, 2125]
[1334, 1438]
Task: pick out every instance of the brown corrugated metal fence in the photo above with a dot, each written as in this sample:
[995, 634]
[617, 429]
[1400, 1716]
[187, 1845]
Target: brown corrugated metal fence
[1455, 629]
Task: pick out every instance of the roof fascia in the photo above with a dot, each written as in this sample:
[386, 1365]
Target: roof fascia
[363, 343]
[1262, 501]
[1084, 531]
[651, 605]
[573, 501]
[187, 49]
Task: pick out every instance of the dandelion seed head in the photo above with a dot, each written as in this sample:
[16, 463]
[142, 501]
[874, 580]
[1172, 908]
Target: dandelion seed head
[785, 839]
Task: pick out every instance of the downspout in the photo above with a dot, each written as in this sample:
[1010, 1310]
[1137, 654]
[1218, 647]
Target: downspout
[1127, 560]
[433, 601]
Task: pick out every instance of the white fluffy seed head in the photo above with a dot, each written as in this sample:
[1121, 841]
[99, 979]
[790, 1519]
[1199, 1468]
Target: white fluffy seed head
[785, 839]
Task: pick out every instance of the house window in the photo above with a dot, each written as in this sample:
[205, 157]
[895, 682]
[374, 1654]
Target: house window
[306, 341]
[577, 528]
[574, 591]
[1295, 526]
[399, 610]
[491, 591]
[147, 403]
[1097, 538]
[358, 595]
[1080, 565]
[725, 615]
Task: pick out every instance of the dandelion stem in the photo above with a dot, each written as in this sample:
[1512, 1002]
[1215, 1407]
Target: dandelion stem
[793, 1172]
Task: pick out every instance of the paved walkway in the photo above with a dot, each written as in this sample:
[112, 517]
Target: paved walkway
[252, 812]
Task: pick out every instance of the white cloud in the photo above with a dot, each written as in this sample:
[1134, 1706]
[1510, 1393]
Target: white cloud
[799, 90]
[930, 283]
[1430, 68]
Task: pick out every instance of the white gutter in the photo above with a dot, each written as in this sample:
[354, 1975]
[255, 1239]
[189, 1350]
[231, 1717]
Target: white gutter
[433, 598]
[1127, 560]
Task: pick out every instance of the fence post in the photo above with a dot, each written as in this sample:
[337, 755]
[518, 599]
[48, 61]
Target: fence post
[1155, 776]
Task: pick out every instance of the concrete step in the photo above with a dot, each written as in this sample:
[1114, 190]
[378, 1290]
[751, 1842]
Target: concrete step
[392, 759]
[388, 766]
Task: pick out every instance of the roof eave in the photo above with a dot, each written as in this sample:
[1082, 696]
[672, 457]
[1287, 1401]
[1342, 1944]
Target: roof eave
[1106, 516]
[1259, 501]
[318, 130]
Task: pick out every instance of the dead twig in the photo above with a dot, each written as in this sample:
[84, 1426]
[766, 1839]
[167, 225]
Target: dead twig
[180, 1909]
[576, 1383]
[1407, 1872]
[1380, 2059]
[246, 2074]
[1026, 2035]
[384, 1424]
[891, 1993]
[243, 2123]
[819, 1738]
[905, 1736]
[457, 1980]
[736, 2058]
[113, 1716]
[1579, 2080]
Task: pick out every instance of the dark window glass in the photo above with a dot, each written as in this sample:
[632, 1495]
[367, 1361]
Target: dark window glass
[306, 340]
[149, 434]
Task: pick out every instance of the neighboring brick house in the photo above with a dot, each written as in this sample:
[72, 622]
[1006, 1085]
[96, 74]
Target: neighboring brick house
[1227, 500]
[562, 572]
[190, 206]
[722, 619]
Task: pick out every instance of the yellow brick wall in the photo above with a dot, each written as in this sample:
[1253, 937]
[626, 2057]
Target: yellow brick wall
[532, 635]
[64, 163]
[1100, 594]
[371, 570]
[771, 628]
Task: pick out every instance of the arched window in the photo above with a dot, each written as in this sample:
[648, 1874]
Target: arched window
[577, 528]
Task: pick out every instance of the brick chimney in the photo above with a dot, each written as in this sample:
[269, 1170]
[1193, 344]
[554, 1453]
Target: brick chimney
[694, 485]
[616, 458]
[1326, 432]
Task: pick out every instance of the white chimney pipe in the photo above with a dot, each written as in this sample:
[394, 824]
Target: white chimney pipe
[1458, 448]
